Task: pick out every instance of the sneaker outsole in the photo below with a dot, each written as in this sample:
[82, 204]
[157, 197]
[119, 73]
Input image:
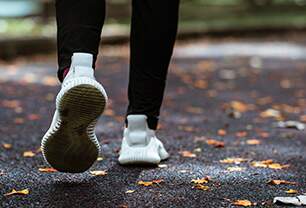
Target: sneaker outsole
[71, 147]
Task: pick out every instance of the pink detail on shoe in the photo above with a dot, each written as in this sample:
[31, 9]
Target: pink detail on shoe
[65, 72]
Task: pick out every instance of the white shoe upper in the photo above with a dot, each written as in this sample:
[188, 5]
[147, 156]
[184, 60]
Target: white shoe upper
[140, 144]
[80, 72]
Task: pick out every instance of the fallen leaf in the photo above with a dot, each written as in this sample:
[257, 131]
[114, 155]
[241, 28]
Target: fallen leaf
[109, 112]
[47, 170]
[241, 134]
[18, 120]
[215, 143]
[222, 132]
[292, 191]
[99, 158]
[239, 106]
[244, 203]
[201, 187]
[268, 164]
[194, 110]
[150, 183]
[162, 166]
[145, 183]
[200, 181]
[234, 169]
[303, 118]
[187, 154]
[33, 117]
[15, 192]
[201, 84]
[277, 166]
[271, 113]
[28, 154]
[98, 172]
[278, 182]
[253, 141]
[7, 146]
[235, 160]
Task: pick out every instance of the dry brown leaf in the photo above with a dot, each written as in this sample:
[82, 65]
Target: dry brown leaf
[15, 192]
[50, 81]
[18, 120]
[235, 160]
[7, 146]
[200, 181]
[215, 143]
[33, 117]
[47, 170]
[278, 182]
[268, 164]
[150, 183]
[253, 141]
[271, 113]
[244, 203]
[292, 191]
[277, 166]
[201, 84]
[187, 154]
[28, 154]
[194, 110]
[222, 132]
[109, 112]
[98, 172]
[201, 187]
[303, 118]
[241, 134]
[145, 183]
[239, 106]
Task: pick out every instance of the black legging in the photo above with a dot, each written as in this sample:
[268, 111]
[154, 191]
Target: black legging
[153, 32]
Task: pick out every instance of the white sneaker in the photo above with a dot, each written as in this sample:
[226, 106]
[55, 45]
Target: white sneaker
[140, 145]
[70, 144]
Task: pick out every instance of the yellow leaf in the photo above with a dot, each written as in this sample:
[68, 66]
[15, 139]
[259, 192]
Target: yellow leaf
[292, 191]
[233, 169]
[235, 160]
[15, 192]
[98, 172]
[47, 170]
[277, 166]
[239, 106]
[28, 154]
[99, 158]
[187, 154]
[130, 191]
[201, 187]
[7, 146]
[278, 182]
[200, 181]
[268, 164]
[253, 141]
[244, 203]
[271, 113]
[150, 183]
[145, 183]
